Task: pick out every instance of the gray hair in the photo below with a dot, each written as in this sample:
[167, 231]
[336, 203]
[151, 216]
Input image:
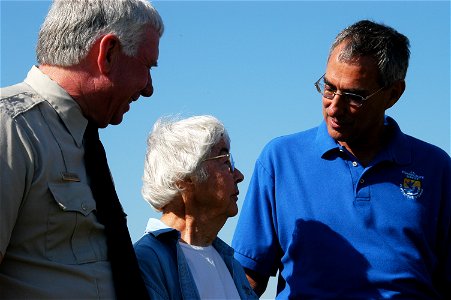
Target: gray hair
[175, 151]
[72, 27]
[389, 48]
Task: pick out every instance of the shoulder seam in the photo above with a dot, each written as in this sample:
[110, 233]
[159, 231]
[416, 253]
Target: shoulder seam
[14, 110]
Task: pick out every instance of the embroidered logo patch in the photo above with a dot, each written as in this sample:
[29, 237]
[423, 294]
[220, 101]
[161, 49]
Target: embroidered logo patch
[412, 185]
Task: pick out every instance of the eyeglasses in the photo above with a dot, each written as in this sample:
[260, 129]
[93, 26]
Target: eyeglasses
[353, 99]
[229, 159]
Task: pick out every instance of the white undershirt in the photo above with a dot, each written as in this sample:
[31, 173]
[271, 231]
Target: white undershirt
[212, 278]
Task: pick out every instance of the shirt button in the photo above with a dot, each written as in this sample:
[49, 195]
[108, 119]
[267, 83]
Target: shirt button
[362, 180]
[83, 206]
[355, 164]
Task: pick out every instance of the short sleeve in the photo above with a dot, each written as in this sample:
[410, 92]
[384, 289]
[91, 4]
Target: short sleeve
[444, 263]
[255, 239]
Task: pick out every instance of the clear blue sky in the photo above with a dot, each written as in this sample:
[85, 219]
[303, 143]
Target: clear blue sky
[252, 64]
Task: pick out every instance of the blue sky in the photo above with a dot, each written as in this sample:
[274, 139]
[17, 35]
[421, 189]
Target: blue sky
[252, 64]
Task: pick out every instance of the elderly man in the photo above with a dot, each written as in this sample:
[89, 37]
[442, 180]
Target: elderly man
[354, 208]
[63, 232]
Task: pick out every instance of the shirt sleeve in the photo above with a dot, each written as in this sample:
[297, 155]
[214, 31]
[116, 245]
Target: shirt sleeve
[15, 174]
[444, 262]
[255, 239]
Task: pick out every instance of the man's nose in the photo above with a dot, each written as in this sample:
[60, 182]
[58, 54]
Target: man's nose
[337, 104]
[147, 91]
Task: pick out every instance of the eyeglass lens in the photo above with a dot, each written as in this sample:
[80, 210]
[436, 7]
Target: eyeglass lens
[353, 99]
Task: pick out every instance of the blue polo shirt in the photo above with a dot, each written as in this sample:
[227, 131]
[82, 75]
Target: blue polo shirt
[336, 229]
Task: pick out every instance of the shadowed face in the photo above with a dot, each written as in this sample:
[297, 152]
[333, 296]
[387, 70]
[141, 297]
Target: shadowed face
[219, 193]
[346, 123]
[131, 78]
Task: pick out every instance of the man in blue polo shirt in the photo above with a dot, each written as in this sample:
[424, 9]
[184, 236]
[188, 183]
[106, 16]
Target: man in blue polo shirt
[353, 208]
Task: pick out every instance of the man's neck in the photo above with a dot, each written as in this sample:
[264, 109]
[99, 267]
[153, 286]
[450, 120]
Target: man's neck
[69, 78]
[365, 150]
[76, 81]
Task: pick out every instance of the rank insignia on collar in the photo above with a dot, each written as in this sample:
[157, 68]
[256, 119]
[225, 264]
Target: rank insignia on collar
[412, 185]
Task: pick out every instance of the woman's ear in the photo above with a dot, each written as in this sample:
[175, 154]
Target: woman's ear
[185, 184]
[397, 89]
[109, 51]
[187, 191]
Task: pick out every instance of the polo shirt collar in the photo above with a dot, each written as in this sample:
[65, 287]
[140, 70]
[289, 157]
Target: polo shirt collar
[397, 150]
[65, 106]
[325, 144]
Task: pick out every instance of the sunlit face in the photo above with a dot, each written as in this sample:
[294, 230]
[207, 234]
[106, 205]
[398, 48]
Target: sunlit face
[346, 123]
[218, 195]
[131, 78]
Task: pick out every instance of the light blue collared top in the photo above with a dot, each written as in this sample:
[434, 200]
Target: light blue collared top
[166, 271]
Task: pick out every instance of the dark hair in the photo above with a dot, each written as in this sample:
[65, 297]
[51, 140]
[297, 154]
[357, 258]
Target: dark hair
[389, 48]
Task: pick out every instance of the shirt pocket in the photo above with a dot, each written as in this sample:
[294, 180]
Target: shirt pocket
[74, 236]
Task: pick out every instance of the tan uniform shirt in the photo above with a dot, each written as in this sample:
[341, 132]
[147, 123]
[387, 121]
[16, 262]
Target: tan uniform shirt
[52, 243]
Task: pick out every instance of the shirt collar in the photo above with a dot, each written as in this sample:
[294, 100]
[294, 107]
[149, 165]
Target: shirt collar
[156, 227]
[324, 142]
[398, 149]
[222, 247]
[66, 107]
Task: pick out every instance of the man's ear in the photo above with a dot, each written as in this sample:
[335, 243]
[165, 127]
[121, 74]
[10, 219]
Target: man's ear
[109, 50]
[396, 91]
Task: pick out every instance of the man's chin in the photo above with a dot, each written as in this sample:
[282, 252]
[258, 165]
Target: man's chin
[116, 120]
[337, 135]
[115, 123]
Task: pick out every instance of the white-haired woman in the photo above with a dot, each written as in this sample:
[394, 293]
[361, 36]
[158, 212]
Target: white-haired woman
[189, 176]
